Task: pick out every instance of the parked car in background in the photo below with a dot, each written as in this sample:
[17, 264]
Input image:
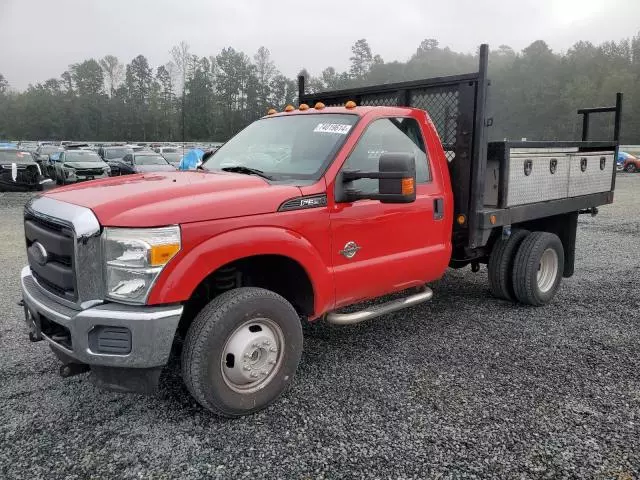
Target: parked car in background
[19, 171]
[136, 148]
[628, 163]
[142, 162]
[113, 157]
[167, 149]
[79, 165]
[43, 152]
[172, 158]
[30, 147]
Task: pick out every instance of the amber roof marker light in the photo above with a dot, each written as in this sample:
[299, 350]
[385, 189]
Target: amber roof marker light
[271, 111]
[303, 107]
[289, 108]
[319, 106]
[350, 104]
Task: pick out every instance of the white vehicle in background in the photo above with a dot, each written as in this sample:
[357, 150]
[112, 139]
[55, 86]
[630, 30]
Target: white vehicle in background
[135, 147]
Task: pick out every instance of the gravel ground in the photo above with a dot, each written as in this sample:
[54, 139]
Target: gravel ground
[463, 387]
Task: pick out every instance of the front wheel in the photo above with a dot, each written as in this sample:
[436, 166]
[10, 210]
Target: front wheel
[631, 168]
[242, 351]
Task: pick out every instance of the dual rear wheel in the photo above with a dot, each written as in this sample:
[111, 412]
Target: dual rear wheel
[527, 267]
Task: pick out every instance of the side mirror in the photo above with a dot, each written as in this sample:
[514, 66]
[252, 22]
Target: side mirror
[396, 180]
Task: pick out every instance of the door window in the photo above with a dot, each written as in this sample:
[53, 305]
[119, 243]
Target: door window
[388, 135]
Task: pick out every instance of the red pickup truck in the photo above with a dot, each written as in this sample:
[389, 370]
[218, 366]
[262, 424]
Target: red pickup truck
[354, 195]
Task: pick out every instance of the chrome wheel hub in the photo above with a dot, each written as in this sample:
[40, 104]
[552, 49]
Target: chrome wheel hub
[252, 355]
[547, 270]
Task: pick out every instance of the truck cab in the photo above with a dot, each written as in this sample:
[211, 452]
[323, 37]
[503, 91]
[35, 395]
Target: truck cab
[302, 213]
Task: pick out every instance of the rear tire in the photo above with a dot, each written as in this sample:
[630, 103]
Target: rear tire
[537, 268]
[242, 351]
[500, 266]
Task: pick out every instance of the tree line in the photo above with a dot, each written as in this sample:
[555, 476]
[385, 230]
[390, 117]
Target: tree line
[534, 93]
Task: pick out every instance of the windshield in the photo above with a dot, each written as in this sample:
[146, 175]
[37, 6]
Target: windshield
[149, 160]
[47, 150]
[297, 146]
[81, 156]
[112, 153]
[172, 157]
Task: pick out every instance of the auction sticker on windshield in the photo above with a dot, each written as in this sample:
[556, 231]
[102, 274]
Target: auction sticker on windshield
[340, 128]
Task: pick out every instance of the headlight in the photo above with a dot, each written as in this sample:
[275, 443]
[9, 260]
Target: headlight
[134, 257]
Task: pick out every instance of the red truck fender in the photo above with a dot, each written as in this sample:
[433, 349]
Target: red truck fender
[192, 265]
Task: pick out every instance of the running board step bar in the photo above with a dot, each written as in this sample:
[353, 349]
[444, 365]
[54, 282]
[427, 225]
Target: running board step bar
[424, 294]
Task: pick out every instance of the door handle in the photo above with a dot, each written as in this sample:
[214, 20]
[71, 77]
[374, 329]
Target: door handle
[438, 208]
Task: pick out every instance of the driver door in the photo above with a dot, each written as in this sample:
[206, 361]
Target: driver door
[378, 248]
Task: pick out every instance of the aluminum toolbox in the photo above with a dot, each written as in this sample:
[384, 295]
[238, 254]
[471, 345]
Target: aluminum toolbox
[545, 172]
[590, 173]
[537, 175]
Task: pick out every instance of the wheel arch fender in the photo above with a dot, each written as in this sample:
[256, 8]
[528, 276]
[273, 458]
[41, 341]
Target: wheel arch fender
[187, 270]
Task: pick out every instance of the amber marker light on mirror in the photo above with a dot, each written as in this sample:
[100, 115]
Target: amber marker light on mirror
[408, 186]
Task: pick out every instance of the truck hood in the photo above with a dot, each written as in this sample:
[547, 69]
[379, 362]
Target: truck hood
[156, 199]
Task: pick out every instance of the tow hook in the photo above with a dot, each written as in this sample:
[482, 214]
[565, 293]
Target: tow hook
[34, 337]
[71, 369]
[475, 267]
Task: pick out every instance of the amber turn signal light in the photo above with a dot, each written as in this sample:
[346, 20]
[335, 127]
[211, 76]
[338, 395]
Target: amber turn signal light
[408, 186]
[161, 254]
[461, 219]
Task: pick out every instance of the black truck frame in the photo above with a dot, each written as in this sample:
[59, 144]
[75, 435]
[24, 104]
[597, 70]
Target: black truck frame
[457, 106]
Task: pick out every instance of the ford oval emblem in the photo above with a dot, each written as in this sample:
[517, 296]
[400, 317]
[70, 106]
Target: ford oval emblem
[39, 253]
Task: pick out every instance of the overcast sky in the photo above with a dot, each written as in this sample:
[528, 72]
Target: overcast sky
[40, 38]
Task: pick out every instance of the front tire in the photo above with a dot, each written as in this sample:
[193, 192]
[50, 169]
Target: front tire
[631, 168]
[242, 351]
[537, 268]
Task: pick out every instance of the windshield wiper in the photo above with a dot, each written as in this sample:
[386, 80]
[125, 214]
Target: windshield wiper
[247, 171]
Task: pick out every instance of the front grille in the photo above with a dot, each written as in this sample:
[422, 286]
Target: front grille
[89, 171]
[56, 273]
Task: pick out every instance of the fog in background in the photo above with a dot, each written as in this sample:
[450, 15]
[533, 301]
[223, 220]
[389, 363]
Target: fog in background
[39, 38]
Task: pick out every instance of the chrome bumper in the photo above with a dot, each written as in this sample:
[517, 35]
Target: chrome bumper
[152, 328]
